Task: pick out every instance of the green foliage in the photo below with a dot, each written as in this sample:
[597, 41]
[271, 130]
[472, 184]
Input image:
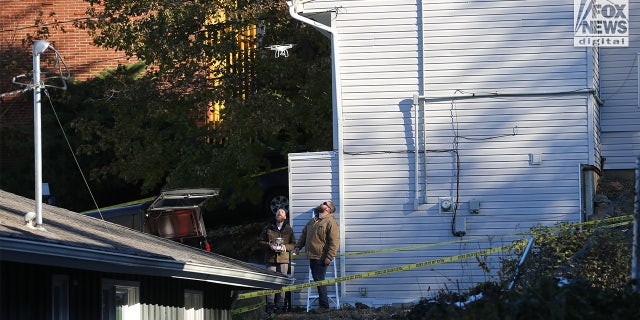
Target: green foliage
[238, 242]
[154, 124]
[126, 118]
[82, 101]
[594, 259]
[599, 255]
[140, 128]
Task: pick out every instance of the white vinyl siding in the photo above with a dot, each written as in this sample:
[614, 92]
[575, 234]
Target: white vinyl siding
[530, 86]
[313, 179]
[621, 111]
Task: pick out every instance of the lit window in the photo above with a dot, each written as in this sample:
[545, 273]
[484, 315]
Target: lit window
[193, 305]
[120, 300]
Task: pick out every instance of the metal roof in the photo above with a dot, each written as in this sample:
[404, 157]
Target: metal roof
[73, 240]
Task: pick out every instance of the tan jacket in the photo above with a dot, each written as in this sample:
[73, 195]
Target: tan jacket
[321, 238]
[271, 232]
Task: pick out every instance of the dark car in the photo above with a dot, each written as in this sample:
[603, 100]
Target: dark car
[174, 214]
[130, 215]
[178, 215]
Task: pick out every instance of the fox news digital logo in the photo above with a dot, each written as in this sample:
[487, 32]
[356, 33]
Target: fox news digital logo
[601, 23]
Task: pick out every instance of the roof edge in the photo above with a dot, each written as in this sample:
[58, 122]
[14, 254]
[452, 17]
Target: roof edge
[34, 252]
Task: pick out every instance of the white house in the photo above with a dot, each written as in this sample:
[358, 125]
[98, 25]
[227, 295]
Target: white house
[458, 126]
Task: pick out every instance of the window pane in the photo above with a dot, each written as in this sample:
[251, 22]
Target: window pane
[120, 300]
[60, 297]
[193, 301]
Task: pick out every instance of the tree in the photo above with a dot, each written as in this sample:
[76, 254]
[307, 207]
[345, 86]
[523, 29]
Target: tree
[154, 126]
[59, 169]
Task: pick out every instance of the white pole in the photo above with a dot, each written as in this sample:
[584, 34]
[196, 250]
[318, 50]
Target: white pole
[38, 47]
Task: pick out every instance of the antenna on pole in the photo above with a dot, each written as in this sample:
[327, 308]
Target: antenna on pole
[39, 47]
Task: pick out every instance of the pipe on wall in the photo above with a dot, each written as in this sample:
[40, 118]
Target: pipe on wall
[337, 125]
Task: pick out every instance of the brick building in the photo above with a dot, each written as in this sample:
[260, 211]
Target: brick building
[21, 22]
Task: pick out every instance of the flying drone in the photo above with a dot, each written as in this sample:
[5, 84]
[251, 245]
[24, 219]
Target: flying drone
[281, 49]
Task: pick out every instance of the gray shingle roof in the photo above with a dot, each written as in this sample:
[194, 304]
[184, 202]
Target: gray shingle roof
[70, 239]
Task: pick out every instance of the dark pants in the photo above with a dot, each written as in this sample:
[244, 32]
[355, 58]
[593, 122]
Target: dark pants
[319, 271]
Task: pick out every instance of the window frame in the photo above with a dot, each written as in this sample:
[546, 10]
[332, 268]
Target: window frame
[115, 290]
[193, 304]
[59, 297]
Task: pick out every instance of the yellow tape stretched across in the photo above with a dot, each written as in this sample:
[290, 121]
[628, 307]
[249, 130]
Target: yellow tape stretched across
[247, 308]
[420, 246]
[414, 265]
[376, 272]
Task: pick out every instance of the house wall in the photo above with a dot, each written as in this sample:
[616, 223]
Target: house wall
[26, 293]
[313, 179]
[499, 81]
[621, 110]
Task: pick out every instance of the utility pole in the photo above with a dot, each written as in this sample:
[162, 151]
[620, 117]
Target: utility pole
[635, 262]
[38, 48]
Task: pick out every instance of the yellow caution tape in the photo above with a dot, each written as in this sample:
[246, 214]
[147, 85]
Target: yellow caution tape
[607, 220]
[619, 224]
[247, 308]
[426, 245]
[376, 273]
[420, 264]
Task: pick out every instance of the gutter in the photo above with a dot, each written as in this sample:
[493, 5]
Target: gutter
[60, 255]
[337, 125]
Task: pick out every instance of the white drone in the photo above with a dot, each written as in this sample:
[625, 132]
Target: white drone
[281, 49]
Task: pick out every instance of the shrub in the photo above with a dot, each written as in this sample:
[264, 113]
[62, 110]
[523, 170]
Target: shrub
[593, 262]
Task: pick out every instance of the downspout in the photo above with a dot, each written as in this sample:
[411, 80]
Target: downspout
[337, 125]
[417, 103]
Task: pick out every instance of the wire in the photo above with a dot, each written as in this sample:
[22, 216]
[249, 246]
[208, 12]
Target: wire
[72, 153]
[456, 150]
[514, 129]
[635, 60]
[10, 93]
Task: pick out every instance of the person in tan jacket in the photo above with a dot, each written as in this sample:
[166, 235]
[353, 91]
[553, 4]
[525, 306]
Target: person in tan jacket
[321, 237]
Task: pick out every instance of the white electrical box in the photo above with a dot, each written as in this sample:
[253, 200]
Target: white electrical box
[535, 159]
